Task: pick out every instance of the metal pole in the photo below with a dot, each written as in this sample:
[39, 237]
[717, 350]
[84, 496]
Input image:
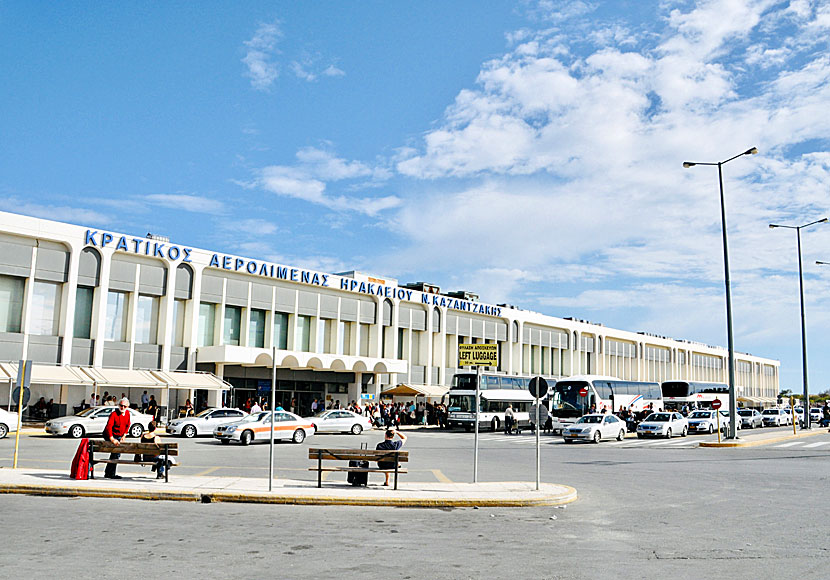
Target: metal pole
[273, 397]
[806, 404]
[538, 429]
[475, 439]
[733, 412]
[10, 395]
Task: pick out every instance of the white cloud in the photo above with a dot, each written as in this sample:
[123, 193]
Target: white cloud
[259, 59]
[191, 203]
[63, 213]
[333, 71]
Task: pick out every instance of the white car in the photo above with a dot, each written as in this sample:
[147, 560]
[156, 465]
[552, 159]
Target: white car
[664, 424]
[339, 421]
[93, 420]
[706, 421]
[776, 417]
[8, 422]
[595, 427]
[204, 423]
[257, 427]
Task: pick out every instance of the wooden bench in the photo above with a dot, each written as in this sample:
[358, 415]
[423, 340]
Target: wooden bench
[371, 455]
[167, 450]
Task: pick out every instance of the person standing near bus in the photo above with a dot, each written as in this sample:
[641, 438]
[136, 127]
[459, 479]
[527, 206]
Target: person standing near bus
[508, 420]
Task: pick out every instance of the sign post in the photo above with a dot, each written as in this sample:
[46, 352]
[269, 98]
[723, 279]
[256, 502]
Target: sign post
[24, 377]
[477, 355]
[716, 404]
[538, 388]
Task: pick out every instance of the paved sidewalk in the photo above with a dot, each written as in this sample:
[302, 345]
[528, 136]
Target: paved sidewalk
[206, 489]
[755, 437]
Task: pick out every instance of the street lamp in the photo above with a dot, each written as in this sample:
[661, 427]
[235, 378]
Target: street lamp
[806, 403]
[733, 411]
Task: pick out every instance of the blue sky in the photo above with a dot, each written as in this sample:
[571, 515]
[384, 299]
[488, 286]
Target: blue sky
[527, 151]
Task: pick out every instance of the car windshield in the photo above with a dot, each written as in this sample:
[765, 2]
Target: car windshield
[204, 413]
[322, 413]
[745, 413]
[255, 417]
[700, 415]
[590, 419]
[660, 417]
[87, 412]
[770, 411]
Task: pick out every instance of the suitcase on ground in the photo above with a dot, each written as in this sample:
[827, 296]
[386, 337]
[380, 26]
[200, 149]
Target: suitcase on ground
[357, 478]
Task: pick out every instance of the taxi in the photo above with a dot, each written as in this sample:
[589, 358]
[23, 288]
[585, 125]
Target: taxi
[257, 427]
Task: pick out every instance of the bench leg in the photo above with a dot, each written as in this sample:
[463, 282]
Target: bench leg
[320, 469]
[396, 471]
[166, 463]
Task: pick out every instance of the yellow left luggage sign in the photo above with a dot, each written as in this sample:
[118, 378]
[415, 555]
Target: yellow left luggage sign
[486, 355]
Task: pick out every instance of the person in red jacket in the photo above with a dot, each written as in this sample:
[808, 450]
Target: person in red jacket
[117, 428]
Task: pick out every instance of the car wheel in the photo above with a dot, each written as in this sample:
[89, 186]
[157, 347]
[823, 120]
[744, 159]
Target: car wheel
[76, 431]
[468, 428]
[640, 436]
[357, 429]
[684, 432]
[568, 440]
[224, 441]
[4, 430]
[711, 429]
[299, 436]
[597, 437]
[189, 431]
[621, 436]
[246, 438]
[136, 430]
[668, 433]
[494, 424]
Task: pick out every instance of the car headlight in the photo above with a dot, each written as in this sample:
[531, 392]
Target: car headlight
[230, 428]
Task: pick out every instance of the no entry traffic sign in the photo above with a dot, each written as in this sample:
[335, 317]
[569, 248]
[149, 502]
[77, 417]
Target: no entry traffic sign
[716, 404]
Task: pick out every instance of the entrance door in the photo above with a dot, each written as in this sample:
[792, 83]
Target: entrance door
[304, 399]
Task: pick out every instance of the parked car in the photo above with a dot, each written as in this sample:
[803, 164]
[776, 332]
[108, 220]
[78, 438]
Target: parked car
[257, 427]
[815, 415]
[663, 424]
[93, 420]
[339, 421]
[595, 427]
[8, 422]
[204, 422]
[750, 418]
[706, 421]
[776, 417]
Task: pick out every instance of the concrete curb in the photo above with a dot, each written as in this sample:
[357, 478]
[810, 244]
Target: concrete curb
[506, 499]
[759, 442]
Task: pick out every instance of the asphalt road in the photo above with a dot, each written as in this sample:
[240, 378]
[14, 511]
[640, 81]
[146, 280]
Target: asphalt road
[646, 510]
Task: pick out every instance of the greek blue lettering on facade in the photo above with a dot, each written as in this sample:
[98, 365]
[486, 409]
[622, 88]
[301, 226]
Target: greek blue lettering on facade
[138, 246]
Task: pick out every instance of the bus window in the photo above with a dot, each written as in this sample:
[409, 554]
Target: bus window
[490, 382]
[462, 403]
[525, 383]
[462, 382]
[603, 389]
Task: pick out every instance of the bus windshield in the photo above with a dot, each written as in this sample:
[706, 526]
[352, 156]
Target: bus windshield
[566, 401]
[676, 389]
[464, 382]
[462, 403]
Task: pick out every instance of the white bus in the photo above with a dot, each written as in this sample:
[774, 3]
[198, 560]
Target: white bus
[608, 393]
[694, 395]
[496, 392]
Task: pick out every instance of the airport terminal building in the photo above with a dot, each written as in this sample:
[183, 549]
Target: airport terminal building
[99, 311]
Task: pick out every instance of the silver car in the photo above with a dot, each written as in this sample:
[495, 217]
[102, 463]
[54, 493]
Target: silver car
[706, 421]
[204, 423]
[93, 421]
[776, 417]
[663, 424]
[339, 421]
[750, 418]
[595, 427]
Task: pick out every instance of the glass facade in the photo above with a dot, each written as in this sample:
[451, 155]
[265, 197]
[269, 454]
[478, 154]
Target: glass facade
[83, 312]
[11, 303]
[281, 330]
[147, 320]
[207, 321]
[117, 309]
[302, 336]
[45, 312]
[256, 329]
[233, 325]
[178, 322]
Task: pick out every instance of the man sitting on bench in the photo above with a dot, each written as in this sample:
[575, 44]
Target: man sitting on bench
[388, 444]
[118, 425]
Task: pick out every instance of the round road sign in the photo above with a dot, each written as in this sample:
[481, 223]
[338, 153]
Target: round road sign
[716, 404]
[16, 396]
[583, 392]
[538, 387]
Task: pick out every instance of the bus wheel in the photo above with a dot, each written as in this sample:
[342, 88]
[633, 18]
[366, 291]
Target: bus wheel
[468, 428]
[494, 424]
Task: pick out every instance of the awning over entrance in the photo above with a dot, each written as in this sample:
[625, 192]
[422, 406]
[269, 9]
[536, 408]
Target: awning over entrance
[50, 375]
[182, 380]
[122, 378]
[435, 391]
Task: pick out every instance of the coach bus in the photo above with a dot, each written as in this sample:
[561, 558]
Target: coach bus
[602, 393]
[694, 395]
[496, 392]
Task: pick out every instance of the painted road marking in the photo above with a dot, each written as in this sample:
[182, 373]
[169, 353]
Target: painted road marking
[440, 476]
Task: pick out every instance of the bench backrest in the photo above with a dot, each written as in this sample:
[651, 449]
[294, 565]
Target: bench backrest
[358, 455]
[102, 446]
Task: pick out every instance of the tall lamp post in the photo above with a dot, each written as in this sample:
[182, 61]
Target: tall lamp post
[806, 403]
[733, 411]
